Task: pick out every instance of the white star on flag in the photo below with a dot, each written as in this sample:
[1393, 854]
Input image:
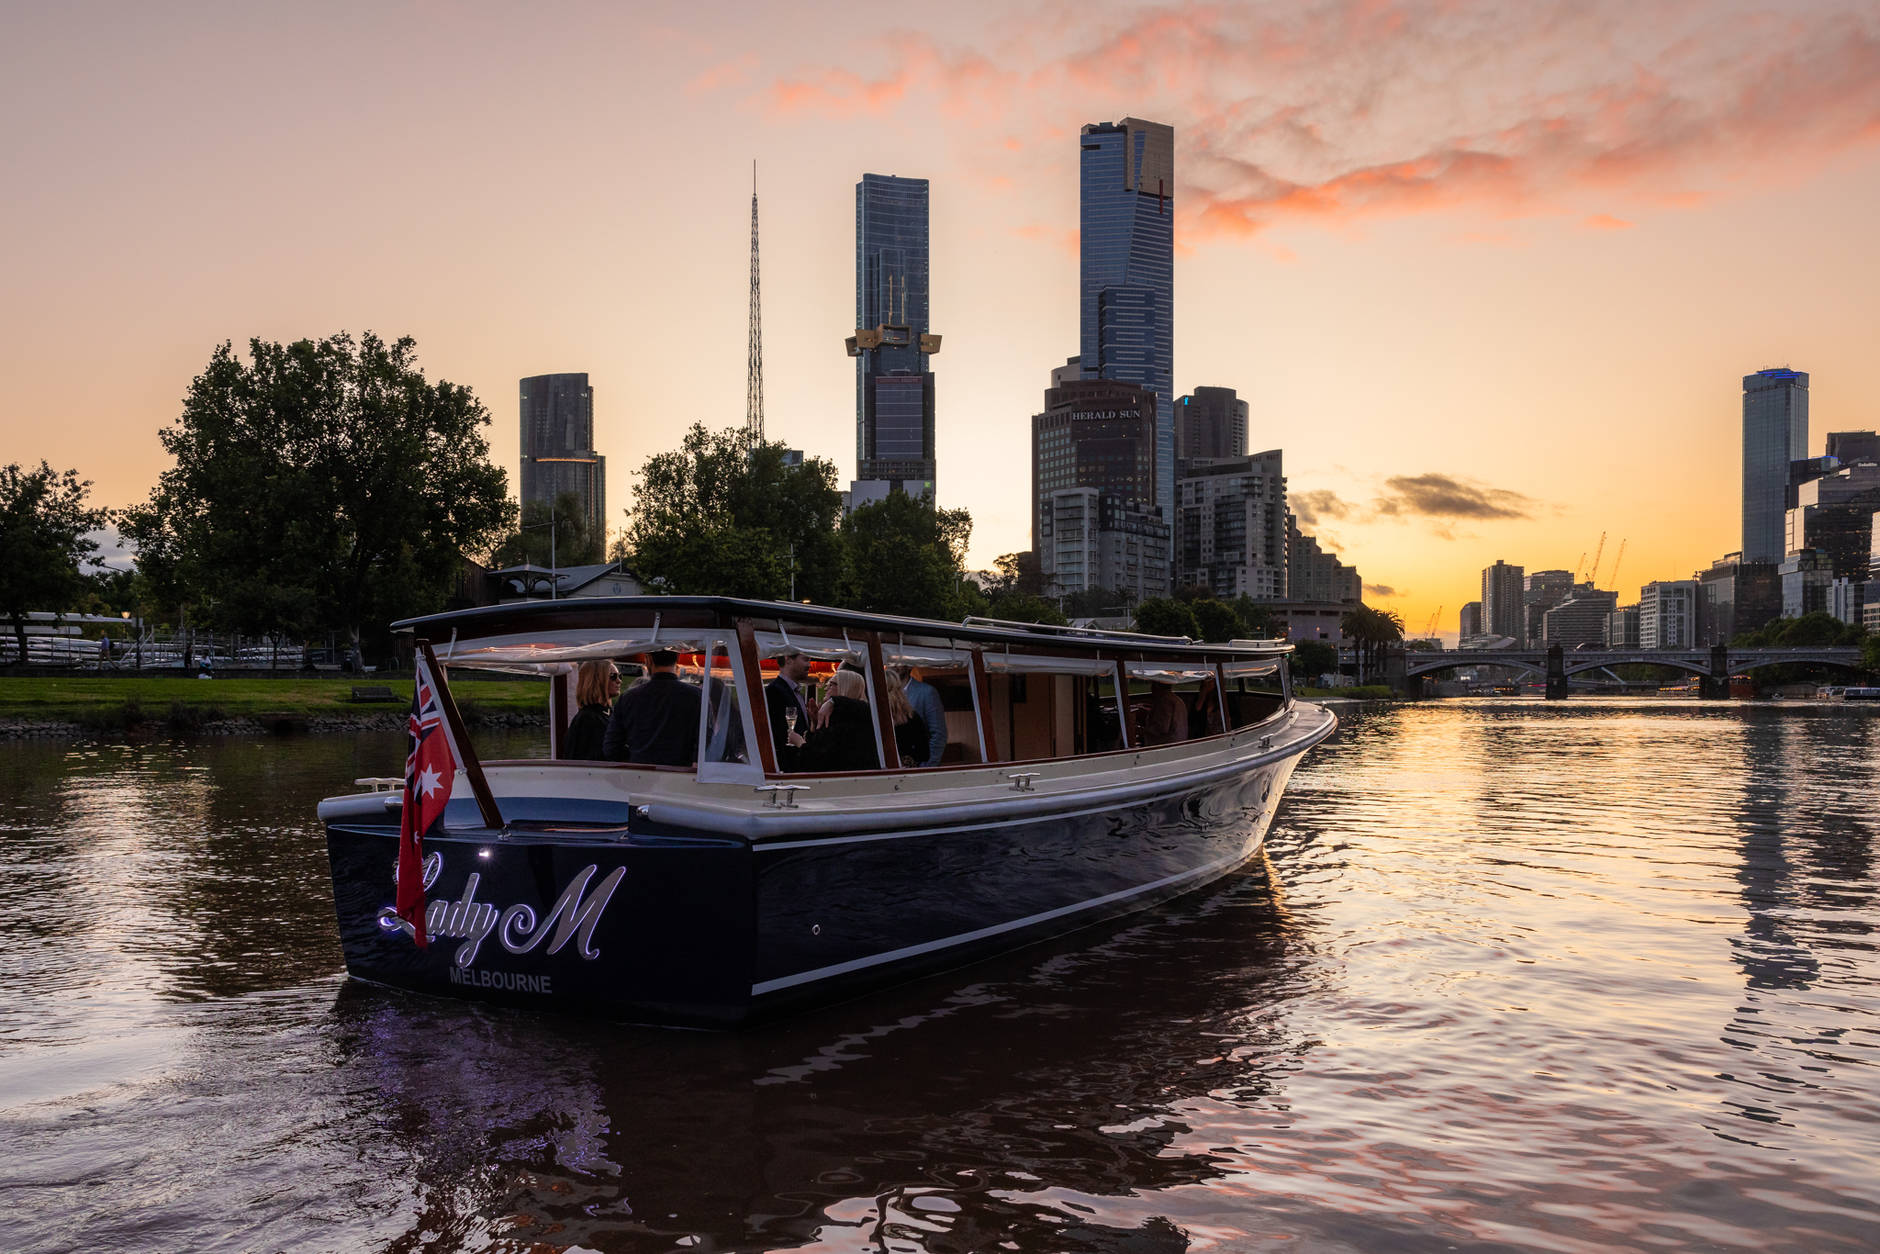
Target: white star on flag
[427, 782]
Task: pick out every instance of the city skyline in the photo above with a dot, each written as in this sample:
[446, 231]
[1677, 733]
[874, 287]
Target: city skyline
[1479, 325]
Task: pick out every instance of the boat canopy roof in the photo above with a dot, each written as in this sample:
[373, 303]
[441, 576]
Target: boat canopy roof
[554, 633]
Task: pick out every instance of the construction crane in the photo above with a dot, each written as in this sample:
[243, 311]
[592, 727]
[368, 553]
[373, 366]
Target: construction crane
[1579, 566]
[1592, 576]
[1615, 565]
[1434, 619]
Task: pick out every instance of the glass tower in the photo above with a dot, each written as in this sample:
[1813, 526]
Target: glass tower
[1127, 273]
[1775, 433]
[894, 395]
[558, 446]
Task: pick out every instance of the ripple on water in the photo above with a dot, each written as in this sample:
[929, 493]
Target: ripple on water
[1509, 977]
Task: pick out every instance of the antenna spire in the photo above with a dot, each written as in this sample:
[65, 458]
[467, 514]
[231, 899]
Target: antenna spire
[754, 387]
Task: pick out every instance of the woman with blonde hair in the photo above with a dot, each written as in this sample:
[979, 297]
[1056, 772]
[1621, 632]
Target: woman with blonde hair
[596, 685]
[846, 740]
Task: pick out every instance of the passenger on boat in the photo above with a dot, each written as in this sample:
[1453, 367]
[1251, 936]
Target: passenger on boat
[1166, 721]
[925, 699]
[910, 728]
[782, 695]
[847, 742]
[596, 684]
[1205, 719]
[656, 724]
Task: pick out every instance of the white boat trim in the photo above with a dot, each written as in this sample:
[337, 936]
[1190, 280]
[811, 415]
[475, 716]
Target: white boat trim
[966, 938]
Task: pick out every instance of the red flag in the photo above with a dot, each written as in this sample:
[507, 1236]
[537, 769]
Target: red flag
[430, 771]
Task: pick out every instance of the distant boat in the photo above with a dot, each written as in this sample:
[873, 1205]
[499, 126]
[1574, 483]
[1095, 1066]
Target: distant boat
[715, 893]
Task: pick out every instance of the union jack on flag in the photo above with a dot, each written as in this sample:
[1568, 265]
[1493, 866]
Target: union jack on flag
[430, 771]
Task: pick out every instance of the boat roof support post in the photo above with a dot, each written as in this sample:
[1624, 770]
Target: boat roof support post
[982, 705]
[472, 765]
[557, 713]
[1121, 681]
[884, 717]
[754, 692]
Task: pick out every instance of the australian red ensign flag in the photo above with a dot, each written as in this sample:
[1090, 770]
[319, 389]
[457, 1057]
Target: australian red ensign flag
[430, 769]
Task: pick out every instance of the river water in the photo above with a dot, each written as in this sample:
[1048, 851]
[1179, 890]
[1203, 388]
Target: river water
[1509, 976]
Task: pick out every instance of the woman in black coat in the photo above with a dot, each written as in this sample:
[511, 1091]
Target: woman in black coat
[847, 741]
[596, 685]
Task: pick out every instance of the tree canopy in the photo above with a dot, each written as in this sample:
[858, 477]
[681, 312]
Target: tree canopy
[1811, 630]
[551, 534]
[1372, 630]
[44, 519]
[720, 516]
[322, 485]
[1161, 616]
[903, 556]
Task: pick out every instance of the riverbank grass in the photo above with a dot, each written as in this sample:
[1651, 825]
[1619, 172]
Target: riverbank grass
[127, 701]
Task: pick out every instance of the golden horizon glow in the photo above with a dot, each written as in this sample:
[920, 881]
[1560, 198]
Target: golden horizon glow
[1511, 263]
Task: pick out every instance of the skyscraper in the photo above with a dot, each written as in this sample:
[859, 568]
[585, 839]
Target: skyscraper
[894, 395]
[1775, 433]
[1503, 612]
[558, 447]
[1126, 325]
[1209, 422]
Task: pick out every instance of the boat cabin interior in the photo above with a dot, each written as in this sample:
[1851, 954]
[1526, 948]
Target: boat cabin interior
[1009, 693]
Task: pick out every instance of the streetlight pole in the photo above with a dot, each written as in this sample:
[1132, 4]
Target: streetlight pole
[554, 578]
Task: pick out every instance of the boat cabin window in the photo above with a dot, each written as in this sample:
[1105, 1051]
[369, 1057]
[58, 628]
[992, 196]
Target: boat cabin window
[1173, 701]
[721, 727]
[1256, 690]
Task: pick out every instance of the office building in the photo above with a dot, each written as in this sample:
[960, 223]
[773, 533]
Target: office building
[1735, 596]
[1667, 614]
[1850, 447]
[1316, 576]
[1099, 542]
[1504, 612]
[1231, 526]
[1092, 434]
[1622, 626]
[1847, 599]
[894, 387]
[1209, 423]
[1469, 623]
[1775, 433]
[1834, 513]
[1806, 577]
[1540, 592]
[1126, 273]
[1578, 618]
[558, 454]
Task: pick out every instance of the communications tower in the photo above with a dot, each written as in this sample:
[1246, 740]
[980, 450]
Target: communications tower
[754, 386]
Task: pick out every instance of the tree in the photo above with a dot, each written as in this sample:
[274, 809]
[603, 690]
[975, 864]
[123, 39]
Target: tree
[1372, 631]
[323, 486]
[43, 524]
[1260, 620]
[903, 556]
[1218, 621]
[1160, 616]
[720, 516]
[1022, 607]
[1315, 658]
[551, 533]
[1019, 574]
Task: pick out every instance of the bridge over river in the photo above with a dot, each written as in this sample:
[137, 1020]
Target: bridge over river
[1713, 665]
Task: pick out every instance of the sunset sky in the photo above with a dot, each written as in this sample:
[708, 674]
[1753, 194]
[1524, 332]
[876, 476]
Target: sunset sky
[1490, 274]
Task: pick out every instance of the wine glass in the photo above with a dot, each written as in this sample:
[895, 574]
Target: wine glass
[789, 719]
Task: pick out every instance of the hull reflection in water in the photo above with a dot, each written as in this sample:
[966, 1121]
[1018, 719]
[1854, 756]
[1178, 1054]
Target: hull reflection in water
[892, 1112]
[730, 888]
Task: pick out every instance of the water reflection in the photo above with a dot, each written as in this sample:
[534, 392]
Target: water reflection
[1516, 976]
[932, 1111]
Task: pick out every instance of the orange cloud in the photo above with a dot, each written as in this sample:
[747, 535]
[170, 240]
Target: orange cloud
[1606, 222]
[1343, 110]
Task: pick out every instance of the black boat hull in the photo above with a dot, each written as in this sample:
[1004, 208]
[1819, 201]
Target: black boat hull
[667, 924]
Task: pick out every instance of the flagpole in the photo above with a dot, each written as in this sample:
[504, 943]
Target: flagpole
[472, 766]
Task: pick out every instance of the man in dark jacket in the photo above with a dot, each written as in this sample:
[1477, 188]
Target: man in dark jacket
[783, 695]
[655, 723]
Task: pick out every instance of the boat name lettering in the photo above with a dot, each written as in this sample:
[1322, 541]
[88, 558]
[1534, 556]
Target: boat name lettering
[574, 916]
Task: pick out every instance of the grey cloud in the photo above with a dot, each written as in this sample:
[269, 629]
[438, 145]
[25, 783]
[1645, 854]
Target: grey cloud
[1445, 496]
